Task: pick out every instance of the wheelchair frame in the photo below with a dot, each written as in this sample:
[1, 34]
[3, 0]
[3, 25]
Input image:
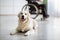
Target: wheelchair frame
[36, 7]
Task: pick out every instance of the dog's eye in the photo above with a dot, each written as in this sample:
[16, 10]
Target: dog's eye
[21, 13]
[25, 14]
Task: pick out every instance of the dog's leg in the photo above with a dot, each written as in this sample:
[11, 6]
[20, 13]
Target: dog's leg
[13, 32]
[29, 32]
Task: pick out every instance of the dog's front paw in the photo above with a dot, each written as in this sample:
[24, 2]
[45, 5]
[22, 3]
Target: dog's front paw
[12, 33]
[26, 34]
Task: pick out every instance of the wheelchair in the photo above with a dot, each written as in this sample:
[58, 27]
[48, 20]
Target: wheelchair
[35, 8]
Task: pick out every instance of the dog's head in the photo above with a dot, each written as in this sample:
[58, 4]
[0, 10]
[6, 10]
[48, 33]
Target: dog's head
[24, 15]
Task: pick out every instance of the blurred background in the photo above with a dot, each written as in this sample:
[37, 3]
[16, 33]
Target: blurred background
[47, 30]
[14, 6]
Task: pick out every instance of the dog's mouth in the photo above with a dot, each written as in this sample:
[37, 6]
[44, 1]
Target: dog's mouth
[23, 19]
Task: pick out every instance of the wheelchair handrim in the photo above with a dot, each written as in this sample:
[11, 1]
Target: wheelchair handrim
[33, 6]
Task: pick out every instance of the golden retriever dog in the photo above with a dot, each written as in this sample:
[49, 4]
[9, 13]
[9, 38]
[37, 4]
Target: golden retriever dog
[26, 24]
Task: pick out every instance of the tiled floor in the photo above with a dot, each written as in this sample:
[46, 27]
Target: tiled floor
[47, 30]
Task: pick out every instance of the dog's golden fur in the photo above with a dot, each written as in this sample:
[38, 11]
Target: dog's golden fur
[27, 24]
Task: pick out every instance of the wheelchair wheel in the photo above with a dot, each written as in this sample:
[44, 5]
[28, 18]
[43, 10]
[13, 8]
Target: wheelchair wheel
[26, 7]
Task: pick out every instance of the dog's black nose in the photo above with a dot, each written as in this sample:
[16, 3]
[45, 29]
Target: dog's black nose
[22, 17]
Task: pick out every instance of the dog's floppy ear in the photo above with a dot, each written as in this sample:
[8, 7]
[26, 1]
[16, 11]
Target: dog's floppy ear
[19, 15]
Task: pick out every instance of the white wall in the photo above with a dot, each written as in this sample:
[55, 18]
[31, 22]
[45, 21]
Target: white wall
[54, 7]
[11, 6]
[14, 6]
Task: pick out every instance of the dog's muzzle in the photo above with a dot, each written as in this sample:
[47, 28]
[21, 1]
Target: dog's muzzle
[22, 17]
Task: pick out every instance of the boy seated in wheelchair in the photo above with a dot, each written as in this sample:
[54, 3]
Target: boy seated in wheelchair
[40, 5]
